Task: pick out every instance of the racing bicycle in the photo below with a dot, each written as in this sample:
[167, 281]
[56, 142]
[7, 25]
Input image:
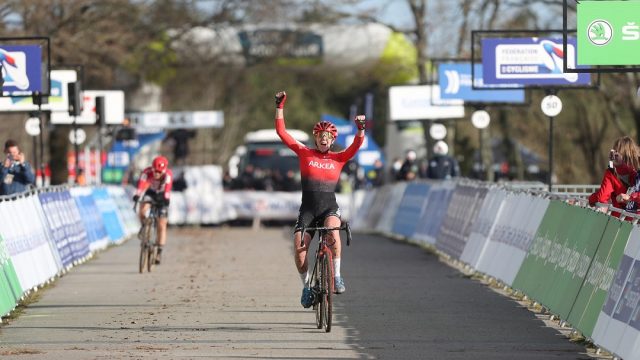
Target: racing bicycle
[148, 235]
[322, 281]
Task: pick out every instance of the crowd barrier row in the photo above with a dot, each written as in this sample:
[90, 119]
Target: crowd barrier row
[580, 264]
[46, 232]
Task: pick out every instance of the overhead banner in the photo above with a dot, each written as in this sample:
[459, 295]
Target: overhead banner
[415, 103]
[608, 32]
[177, 119]
[457, 82]
[530, 61]
[21, 69]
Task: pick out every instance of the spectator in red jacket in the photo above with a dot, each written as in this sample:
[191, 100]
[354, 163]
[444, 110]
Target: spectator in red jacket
[624, 161]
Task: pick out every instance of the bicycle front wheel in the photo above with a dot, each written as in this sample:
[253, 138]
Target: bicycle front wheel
[327, 290]
[153, 247]
[143, 256]
[317, 287]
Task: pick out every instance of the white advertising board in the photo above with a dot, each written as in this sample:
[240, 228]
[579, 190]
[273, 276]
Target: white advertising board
[58, 101]
[414, 103]
[113, 107]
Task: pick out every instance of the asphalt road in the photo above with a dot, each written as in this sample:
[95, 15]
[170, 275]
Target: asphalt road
[233, 293]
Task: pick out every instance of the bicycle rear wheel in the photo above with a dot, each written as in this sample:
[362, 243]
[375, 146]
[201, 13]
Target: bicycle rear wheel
[327, 290]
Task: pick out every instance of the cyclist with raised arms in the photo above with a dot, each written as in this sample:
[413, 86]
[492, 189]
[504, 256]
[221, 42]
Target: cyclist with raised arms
[320, 171]
[155, 184]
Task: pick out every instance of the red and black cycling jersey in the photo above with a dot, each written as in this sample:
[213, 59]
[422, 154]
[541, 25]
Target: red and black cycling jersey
[319, 171]
[148, 182]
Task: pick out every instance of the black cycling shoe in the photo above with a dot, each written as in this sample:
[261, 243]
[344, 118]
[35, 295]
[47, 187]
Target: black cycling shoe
[158, 257]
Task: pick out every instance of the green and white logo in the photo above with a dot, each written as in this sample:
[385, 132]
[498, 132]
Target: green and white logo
[608, 32]
[599, 32]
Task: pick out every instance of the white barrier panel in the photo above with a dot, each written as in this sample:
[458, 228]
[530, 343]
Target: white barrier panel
[390, 207]
[39, 224]
[273, 205]
[532, 210]
[29, 250]
[514, 231]
[483, 227]
[618, 325]
[248, 204]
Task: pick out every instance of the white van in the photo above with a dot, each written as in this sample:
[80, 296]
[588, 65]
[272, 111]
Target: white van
[268, 156]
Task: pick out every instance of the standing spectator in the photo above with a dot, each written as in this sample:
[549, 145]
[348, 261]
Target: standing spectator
[442, 166]
[409, 169]
[15, 172]
[624, 161]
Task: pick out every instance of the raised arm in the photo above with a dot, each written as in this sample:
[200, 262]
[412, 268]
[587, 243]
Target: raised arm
[350, 152]
[281, 130]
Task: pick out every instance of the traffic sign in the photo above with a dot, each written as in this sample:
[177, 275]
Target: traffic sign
[438, 131]
[32, 126]
[480, 119]
[551, 105]
[77, 136]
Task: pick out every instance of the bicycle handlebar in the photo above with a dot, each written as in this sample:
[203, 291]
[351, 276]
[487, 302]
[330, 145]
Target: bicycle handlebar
[345, 227]
[152, 202]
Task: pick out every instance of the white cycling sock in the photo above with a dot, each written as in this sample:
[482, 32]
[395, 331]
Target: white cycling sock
[304, 277]
[336, 267]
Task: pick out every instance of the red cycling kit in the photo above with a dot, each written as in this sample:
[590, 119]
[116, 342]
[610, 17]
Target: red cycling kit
[320, 173]
[152, 186]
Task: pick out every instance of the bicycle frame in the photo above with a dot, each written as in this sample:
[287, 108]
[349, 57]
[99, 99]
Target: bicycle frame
[321, 281]
[148, 244]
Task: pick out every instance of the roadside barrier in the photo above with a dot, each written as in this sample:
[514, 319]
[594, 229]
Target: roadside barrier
[46, 232]
[582, 265]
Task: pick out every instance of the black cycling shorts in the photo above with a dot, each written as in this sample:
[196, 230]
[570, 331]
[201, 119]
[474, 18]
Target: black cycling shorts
[315, 208]
[152, 195]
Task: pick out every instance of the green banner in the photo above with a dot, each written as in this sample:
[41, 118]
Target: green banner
[602, 270]
[10, 290]
[608, 32]
[532, 278]
[573, 255]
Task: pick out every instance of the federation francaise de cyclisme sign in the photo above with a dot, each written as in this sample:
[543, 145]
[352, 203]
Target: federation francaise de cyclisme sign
[608, 32]
[530, 61]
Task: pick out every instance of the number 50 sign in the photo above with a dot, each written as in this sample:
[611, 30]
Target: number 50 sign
[551, 105]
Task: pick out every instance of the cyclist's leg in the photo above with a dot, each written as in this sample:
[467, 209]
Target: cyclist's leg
[300, 256]
[142, 211]
[161, 222]
[300, 253]
[333, 220]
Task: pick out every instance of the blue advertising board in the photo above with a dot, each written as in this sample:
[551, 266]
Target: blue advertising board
[456, 82]
[530, 61]
[21, 69]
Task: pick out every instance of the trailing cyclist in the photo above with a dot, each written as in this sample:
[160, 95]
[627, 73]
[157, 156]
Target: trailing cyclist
[155, 185]
[320, 171]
